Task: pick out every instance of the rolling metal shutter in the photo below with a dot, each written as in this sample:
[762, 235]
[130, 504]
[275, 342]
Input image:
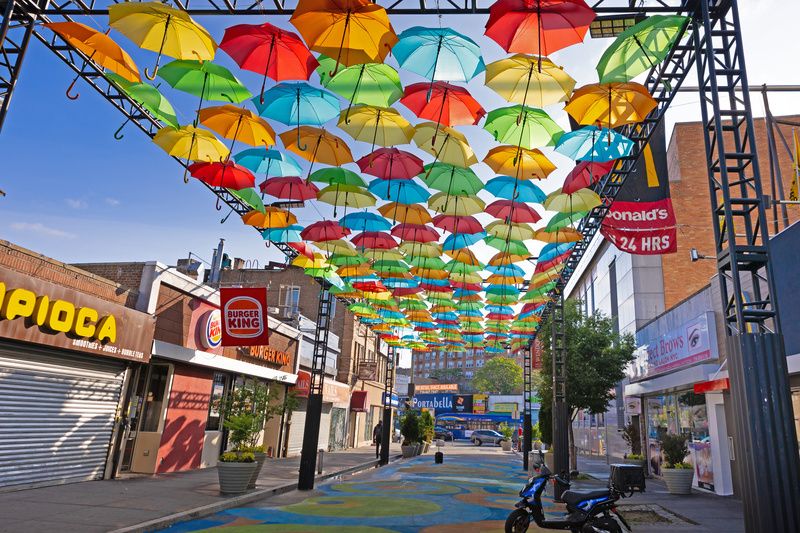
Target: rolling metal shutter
[298, 426]
[324, 427]
[56, 415]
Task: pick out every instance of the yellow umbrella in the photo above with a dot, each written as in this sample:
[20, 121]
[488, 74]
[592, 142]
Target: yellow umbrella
[529, 80]
[316, 144]
[430, 273]
[190, 143]
[445, 144]
[503, 258]
[383, 126]
[271, 217]
[354, 270]
[238, 124]
[377, 255]
[302, 261]
[448, 204]
[466, 277]
[421, 249]
[351, 32]
[464, 255]
[504, 280]
[517, 231]
[339, 246]
[345, 195]
[163, 29]
[520, 163]
[405, 213]
[559, 235]
[611, 104]
[580, 200]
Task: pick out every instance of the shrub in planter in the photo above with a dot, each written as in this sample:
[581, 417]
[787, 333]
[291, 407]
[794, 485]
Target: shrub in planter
[507, 432]
[260, 456]
[677, 474]
[409, 428]
[235, 470]
[427, 427]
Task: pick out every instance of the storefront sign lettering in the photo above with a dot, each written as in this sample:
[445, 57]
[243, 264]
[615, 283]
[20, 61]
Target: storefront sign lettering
[268, 354]
[244, 318]
[441, 403]
[302, 386]
[212, 329]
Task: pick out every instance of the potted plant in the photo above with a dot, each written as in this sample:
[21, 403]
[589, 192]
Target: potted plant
[507, 432]
[427, 427]
[632, 437]
[235, 470]
[409, 428]
[677, 474]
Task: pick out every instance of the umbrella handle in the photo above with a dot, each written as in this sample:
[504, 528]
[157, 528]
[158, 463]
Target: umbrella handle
[186, 178]
[147, 74]
[226, 217]
[70, 88]
[118, 134]
[152, 76]
[217, 206]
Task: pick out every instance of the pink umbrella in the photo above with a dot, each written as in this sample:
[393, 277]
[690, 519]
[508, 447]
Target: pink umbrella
[391, 163]
[458, 224]
[513, 211]
[375, 240]
[289, 188]
[585, 174]
[324, 230]
[415, 232]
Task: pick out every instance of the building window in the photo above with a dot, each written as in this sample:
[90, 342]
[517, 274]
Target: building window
[217, 393]
[289, 301]
[333, 306]
[468, 373]
[154, 398]
[469, 363]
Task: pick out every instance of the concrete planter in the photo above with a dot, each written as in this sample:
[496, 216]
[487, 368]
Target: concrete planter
[409, 451]
[418, 451]
[678, 480]
[234, 477]
[550, 460]
[505, 445]
[637, 462]
[260, 456]
[426, 447]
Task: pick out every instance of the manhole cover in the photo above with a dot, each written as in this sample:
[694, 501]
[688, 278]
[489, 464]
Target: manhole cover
[644, 517]
[652, 514]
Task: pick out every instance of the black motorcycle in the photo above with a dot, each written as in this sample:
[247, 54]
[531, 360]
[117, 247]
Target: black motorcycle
[587, 511]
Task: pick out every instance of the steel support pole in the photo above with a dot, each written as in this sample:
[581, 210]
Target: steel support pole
[308, 455]
[388, 390]
[527, 391]
[560, 407]
[765, 443]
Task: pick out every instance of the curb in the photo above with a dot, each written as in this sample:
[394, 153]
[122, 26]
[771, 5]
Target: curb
[236, 501]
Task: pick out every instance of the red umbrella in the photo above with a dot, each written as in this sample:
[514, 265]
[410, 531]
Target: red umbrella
[457, 224]
[324, 230]
[415, 232]
[269, 50]
[443, 103]
[369, 286]
[376, 240]
[391, 163]
[302, 248]
[538, 26]
[406, 291]
[513, 211]
[435, 288]
[289, 188]
[585, 174]
[547, 265]
[227, 174]
[466, 286]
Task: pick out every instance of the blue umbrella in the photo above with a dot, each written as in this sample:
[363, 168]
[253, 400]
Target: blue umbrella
[506, 270]
[401, 191]
[510, 188]
[398, 283]
[553, 250]
[287, 234]
[591, 143]
[457, 241]
[500, 309]
[270, 162]
[364, 221]
[299, 103]
[439, 54]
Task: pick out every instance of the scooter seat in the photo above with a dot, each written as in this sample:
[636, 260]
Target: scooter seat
[573, 497]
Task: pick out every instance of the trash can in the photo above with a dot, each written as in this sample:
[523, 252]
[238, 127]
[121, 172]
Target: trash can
[320, 458]
[438, 458]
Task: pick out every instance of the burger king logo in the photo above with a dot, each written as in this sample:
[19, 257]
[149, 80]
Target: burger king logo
[212, 330]
[244, 317]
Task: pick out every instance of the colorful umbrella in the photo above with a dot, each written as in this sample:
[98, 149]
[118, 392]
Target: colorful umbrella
[419, 249]
[390, 163]
[510, 188]
[324, 230]
[446, 204]
[585, 174]
[445, 144]
[298, 103]
[270, 162]
[563, 220]
[403, 191]
[351, 31]
[538, 26]
[148, 97]
[520, 163]
[515, 231]
[285, 235]
[365, 221]
[268, 50]
[374, 240]
[438, 54]
[346, 196]
[163, 29]
[457, 224]
[237, 123]
[370, 84]
[451, 179]
[379, 125]
[443, 103]
[415, 232]
[315, 144]
[611, 104]
[271, 217]
[190, 143]
[581, 200]
[513, 211]
[218, 174]
[337, 175]
[205, 80]
[529, 80]
[289, 188]
[410, 214]
[594, 144]
[559, 235]
[249, 197]
[640, 47]
[526, 127]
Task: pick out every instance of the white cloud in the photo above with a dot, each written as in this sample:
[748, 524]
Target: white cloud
[113, 202]
[41, 229]
[76, 204]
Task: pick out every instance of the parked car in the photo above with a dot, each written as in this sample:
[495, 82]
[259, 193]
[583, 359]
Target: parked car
[487, 436]
[442, 433]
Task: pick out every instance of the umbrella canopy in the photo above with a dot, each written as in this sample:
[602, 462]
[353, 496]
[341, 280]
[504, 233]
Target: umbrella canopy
[270, 51]
[508, 246]
[162, 29]
[271, 217]
[529, 80]
[594, 144]
[375, 84]
[324, 230]
[377, 125]
[390, 163]
[317, 145]
[188, 142]
[227, 174]
[248, 196]
[640, 47]
[148, 97]
[337, 175]
[510, 188]
[524, 126]
[451, 179]
[289, 188]
[438, 54]
[610, 104]
[238, 124]
[419, 249]
[515, 231]
[298, 103]
[365, 221]
[287, 234]
[270, 162]
[350, 31]
[559, 235]
[409, 214]
[582, 200]
[513, 211]
[520, 163]
[443, 103]
[204, 79]
[375, 240]
[99, 47]
[585, 174]
[446, 144]
[563, 220]
[346, 196]
[446, 204]
[415, 232]
[403, 191]
[538, 26]
[457, 224]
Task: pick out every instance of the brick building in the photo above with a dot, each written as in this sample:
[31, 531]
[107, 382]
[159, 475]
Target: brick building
[424, 364]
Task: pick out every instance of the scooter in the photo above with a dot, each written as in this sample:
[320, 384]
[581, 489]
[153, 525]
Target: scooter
[587, 511]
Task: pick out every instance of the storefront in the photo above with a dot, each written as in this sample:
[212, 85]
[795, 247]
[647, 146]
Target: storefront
[333, 420]
[65, 352]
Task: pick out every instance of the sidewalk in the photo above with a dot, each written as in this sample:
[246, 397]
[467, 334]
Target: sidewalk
[148, 502]
[660, 512]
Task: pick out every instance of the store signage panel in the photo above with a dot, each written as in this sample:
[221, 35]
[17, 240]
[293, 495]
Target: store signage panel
[694, 342]
[302, 387]
[211, 329]
[40, 312]
[441, 403]
[462, 403]
[479, 402]
[244, 316]
[368, 370]
[436, 387]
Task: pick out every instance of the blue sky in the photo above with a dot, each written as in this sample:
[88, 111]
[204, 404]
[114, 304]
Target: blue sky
[76, 194]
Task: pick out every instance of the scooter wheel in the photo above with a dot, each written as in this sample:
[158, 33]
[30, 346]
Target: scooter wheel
[518, 521]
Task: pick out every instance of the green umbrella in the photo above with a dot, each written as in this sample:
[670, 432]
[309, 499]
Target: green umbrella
[346, 260]
[452, 180]
[326, 66]
[390, 266]
[375, 84]
[510, 246]
[430, 263]
[412, 305]
[501, 298]
[539, 292]
[457, 267]
[562, 220]
[204, 79]
[249, 196]
[337, 176]
[361, 308]
[148, 97]
[345, 289]
[523, 126]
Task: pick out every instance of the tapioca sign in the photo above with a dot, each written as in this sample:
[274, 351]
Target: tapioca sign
[244, 317]
[40, 312]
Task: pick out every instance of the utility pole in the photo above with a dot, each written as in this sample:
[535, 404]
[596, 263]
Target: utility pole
[560, 406]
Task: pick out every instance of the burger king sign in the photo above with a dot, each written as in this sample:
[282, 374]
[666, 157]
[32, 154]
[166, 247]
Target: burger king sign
[244, 317]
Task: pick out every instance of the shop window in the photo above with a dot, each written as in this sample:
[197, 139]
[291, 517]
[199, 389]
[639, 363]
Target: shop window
[217, 393]
[368, 426]
[154, 399]
[289, 301]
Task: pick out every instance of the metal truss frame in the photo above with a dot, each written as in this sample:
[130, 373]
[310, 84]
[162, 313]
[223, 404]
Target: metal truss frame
[388, 390]
[561, 419]
[527, 392]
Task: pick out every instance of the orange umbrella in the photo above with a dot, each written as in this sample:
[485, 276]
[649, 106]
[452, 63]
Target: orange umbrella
[520, 163]
[238, 124]
[271, 217]
[611, 104]
[405, 213]
[559, 235]
[316, 144]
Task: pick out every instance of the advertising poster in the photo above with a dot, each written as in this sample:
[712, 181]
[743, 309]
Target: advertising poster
[479, 402]
[654, 457]
[244, 316]
[462, 403]
[703, 467]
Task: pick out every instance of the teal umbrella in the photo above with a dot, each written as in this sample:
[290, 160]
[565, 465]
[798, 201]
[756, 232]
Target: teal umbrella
[438, 54]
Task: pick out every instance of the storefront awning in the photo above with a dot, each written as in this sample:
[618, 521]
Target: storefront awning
[715, 385]
[358, 401]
